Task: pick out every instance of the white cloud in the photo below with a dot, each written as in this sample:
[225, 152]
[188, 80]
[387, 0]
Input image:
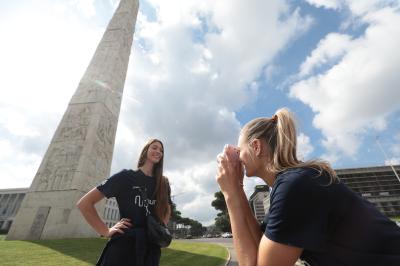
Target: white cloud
[357, 93]
[85, 6]
[44, 50]
[191, 68]
[200, 207]
[393, 161]
[356, 7]
[331, 48]
[114, 3]
[190, 85]
[304, 147]
[16, 164]
[361, 8]
[329, 4]
[194, 188]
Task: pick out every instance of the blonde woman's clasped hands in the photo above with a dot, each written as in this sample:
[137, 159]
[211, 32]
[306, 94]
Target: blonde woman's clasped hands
[230, 171]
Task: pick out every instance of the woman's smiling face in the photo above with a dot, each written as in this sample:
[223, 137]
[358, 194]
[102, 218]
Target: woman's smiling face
[155, 152]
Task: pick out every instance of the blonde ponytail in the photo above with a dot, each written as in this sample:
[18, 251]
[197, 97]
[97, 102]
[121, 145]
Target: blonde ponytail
[285, 154]
[279, 132]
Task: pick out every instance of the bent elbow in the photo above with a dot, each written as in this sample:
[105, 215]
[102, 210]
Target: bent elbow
[79, 204]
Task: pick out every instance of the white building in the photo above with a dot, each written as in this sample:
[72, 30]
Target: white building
[111, 212]
[379, 185]
[10, 201]
[259, 202]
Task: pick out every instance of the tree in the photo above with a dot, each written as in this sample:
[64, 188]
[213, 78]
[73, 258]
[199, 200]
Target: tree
[175, 214]
[196, 228]
[219, 202]
[222, 222]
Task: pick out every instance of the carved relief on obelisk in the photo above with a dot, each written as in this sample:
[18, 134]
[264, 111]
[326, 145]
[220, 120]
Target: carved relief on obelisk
[79, 155]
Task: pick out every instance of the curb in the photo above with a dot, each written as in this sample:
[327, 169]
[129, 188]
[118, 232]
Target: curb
[229, 255]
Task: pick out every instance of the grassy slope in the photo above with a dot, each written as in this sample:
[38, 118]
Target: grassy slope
[86, 252]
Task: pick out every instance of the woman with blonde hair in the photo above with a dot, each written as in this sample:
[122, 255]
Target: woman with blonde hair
[312, 215]
[128, 244]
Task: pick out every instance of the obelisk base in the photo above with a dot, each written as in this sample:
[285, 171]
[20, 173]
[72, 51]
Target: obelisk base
[56, 217]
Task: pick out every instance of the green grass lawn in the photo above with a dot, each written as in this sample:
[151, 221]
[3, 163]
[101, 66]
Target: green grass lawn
[396, 218]
[193, 254]
[86, 252]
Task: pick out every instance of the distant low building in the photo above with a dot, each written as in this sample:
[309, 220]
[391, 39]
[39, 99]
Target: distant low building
[379, 185]
[111, 212]
[259, 201]
[10, 201]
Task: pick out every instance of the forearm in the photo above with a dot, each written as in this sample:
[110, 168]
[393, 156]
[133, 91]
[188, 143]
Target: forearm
[90, 214]
[246, 245]
[251, 220]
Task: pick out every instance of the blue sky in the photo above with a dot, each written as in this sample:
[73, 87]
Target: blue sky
[198, 71]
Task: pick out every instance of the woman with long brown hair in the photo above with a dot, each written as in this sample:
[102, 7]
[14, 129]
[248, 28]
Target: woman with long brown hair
[312, 215]
[128, 244]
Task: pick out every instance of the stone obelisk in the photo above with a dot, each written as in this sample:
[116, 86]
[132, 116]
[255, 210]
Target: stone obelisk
[79, 155]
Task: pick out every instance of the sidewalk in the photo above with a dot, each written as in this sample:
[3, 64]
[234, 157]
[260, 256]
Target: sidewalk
[232, 254]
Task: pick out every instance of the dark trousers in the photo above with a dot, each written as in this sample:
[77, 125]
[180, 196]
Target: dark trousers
[130, 249]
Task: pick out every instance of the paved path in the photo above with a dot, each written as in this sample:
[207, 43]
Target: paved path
[226, 242]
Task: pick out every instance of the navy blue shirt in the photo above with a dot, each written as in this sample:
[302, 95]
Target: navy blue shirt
[124, 186]
[333, 224]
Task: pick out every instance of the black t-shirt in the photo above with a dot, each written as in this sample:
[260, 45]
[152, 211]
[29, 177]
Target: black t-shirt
[333, 225]
[124, 186]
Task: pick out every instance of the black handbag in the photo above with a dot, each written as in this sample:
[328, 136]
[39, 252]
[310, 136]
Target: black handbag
[157, 232]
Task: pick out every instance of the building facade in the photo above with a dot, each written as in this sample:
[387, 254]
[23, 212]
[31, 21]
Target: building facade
[111, 212]
[379, 185]
[259, 201]
[10, 201]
